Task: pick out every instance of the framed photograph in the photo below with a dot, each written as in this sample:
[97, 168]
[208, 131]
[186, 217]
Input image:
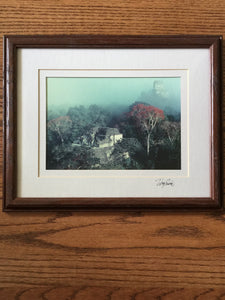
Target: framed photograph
[111, 122]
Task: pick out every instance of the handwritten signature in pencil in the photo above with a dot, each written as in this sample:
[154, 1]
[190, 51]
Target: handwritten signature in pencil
[164, 182]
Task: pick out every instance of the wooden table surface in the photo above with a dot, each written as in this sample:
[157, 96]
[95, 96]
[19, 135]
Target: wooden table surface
[112, 255]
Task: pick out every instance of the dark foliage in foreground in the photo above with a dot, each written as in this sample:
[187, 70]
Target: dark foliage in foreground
[94, 138]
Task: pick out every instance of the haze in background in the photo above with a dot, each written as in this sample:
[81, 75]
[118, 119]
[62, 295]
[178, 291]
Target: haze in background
[66, 92]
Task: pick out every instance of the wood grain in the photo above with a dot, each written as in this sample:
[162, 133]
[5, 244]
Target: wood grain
[122, 255]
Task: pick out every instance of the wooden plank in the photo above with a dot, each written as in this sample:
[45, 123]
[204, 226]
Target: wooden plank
[156, 250]
[111, 255]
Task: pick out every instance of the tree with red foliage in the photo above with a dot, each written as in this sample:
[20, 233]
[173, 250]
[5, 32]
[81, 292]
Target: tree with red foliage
[146, 118]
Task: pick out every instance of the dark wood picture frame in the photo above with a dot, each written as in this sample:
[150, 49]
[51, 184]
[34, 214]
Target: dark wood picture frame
[11, 43]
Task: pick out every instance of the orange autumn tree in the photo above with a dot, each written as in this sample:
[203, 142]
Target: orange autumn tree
[146, 118]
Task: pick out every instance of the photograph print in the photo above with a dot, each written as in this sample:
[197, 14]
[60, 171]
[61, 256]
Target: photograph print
[113, 123]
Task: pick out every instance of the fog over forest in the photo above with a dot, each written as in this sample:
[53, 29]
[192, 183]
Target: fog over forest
[113, 123]
[113, 93]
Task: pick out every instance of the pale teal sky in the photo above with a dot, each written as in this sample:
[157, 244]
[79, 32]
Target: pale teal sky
[68, 92]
